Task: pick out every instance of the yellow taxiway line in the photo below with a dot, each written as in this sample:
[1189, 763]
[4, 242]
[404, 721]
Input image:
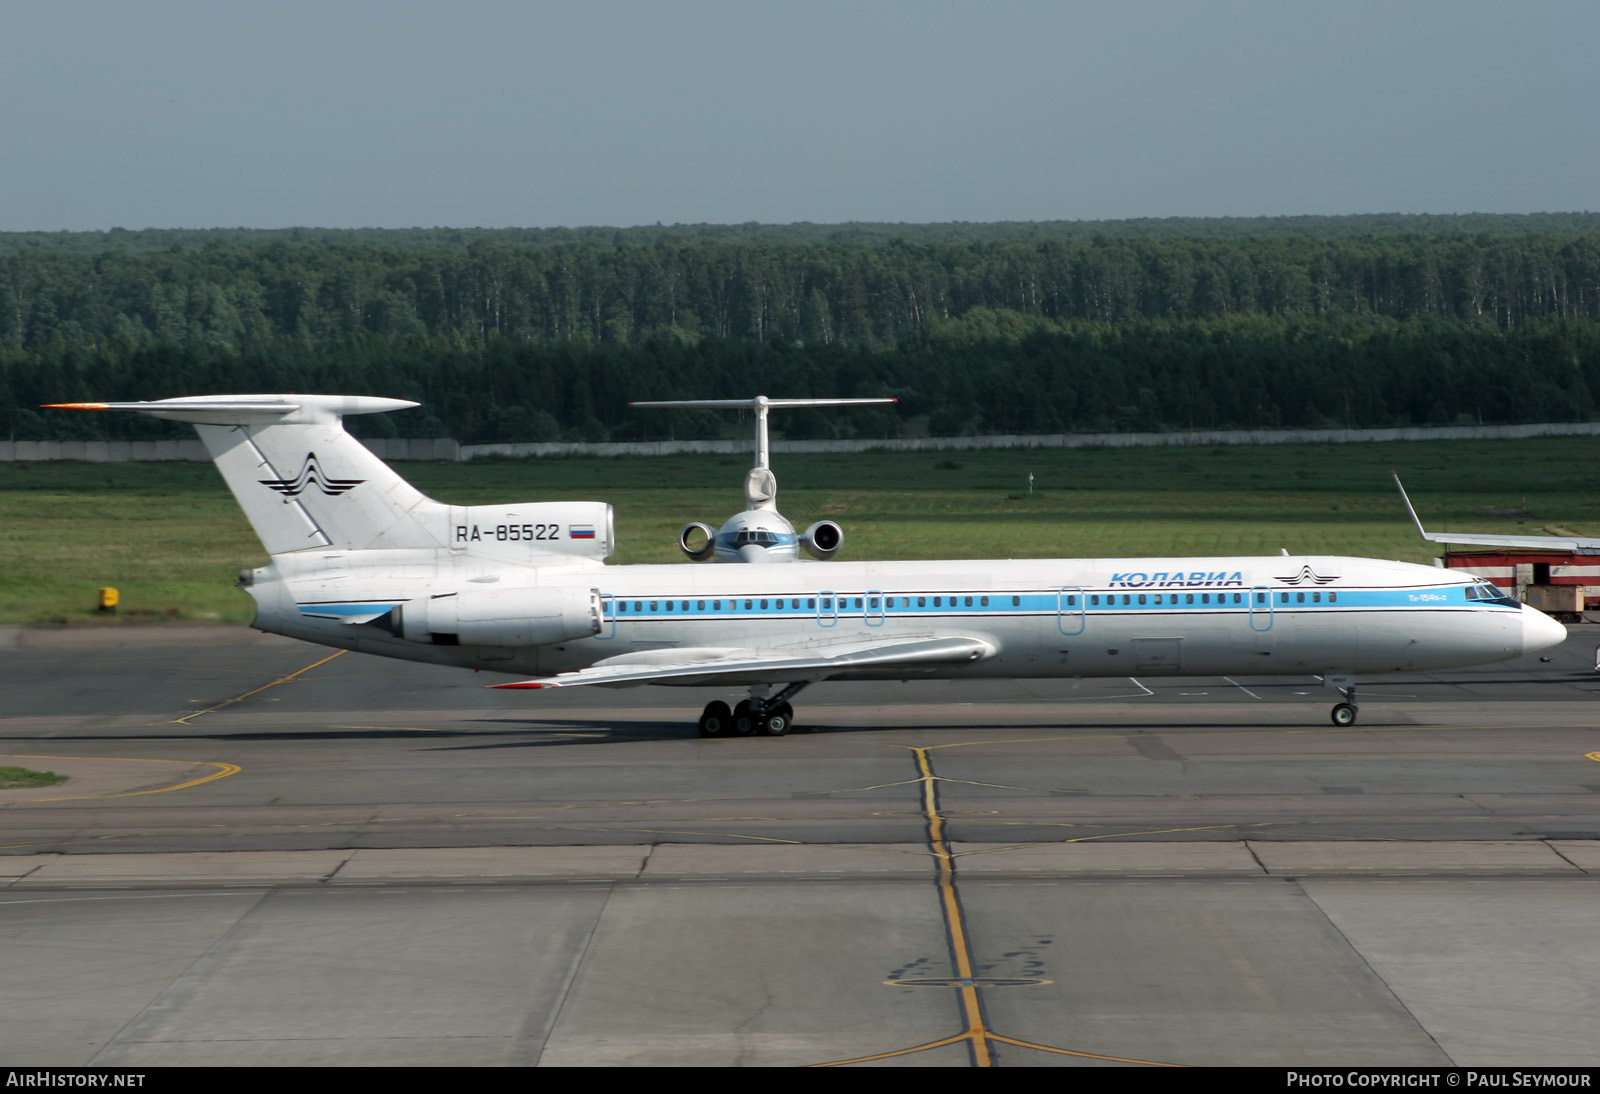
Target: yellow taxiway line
[977, 1035]
[222, 772]
[253, 691]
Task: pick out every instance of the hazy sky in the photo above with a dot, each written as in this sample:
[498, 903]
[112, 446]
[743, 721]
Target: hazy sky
[167, 113]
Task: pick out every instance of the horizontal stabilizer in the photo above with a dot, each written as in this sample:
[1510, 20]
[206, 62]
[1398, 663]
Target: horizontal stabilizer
[239, 409]
[233, 406]
[760, 401]
[761, 491]
[742, 666]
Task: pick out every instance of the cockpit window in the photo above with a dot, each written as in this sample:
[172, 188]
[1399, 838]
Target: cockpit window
[1494, 594]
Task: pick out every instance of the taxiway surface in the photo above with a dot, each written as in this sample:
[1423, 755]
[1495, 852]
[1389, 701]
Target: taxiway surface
[269, 855]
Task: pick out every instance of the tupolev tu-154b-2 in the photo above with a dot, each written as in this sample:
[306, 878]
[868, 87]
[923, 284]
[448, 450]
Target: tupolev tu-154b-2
[361, 560]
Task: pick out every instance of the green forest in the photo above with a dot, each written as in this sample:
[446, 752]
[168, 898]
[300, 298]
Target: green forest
[544, 334]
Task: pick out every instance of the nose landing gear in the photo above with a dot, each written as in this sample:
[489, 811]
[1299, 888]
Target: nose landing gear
[1343, 714]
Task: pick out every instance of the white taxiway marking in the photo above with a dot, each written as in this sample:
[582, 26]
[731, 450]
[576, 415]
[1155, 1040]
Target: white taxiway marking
[1241, 687]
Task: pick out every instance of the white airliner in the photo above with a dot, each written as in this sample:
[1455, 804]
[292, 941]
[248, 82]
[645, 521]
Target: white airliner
[362, 561]
[760, 533]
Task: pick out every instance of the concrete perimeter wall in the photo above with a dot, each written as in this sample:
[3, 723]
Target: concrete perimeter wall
[445, 449]
[441, 448]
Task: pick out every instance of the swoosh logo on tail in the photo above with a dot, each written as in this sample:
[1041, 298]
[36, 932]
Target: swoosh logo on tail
[311, 474]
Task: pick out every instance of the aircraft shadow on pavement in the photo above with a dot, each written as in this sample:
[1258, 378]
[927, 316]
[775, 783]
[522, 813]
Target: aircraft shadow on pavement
[377, 733]
[608, 731]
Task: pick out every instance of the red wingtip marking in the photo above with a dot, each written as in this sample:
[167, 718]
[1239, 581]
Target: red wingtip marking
[76, 406]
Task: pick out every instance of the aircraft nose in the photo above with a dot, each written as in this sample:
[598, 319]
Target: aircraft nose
[1539, 631]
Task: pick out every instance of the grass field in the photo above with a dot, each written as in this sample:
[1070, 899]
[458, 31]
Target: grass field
[171, 539]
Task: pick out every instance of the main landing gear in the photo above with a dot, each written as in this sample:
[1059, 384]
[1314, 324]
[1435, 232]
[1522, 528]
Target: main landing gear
[765, 717]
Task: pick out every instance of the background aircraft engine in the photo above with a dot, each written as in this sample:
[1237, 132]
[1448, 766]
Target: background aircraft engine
[823, 539]
[688, 536]
[503, 617]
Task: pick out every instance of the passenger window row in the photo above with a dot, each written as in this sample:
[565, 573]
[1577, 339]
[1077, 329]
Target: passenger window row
[1170, 598]
[777, 603]
[872, 603]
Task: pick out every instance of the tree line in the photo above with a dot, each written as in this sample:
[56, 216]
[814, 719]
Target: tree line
[851, 293]
[147, 240]
[988, 371]
[540, 334]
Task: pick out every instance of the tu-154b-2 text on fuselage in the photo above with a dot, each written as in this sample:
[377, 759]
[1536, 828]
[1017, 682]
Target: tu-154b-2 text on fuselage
[361, 560]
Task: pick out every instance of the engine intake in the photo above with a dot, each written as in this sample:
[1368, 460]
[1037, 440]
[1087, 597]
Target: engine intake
[706, 549]
[823, 539]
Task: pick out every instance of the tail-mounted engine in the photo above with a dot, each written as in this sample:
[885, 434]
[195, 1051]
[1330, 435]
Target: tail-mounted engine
[698, 541]
[502, 617]
[823, 539]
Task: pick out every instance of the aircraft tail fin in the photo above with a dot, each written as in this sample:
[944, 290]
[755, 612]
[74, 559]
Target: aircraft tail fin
[305, 484]
[302, 481]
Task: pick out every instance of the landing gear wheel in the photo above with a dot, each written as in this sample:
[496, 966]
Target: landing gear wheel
[745, 721]
[716, 720]
[1344, 715]
[778, 721]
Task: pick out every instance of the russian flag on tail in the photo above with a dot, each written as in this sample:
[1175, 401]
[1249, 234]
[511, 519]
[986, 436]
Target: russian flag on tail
[580, 531]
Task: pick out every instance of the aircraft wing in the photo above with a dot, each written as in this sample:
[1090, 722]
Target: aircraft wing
[1533, 543]
[730, 665]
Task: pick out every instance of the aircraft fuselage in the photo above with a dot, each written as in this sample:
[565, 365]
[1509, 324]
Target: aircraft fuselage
[1043, 618]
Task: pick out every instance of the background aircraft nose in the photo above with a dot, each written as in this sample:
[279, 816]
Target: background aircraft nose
[1539, 631]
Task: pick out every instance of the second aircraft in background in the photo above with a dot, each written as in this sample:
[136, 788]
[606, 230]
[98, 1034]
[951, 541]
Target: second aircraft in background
[760, 533]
